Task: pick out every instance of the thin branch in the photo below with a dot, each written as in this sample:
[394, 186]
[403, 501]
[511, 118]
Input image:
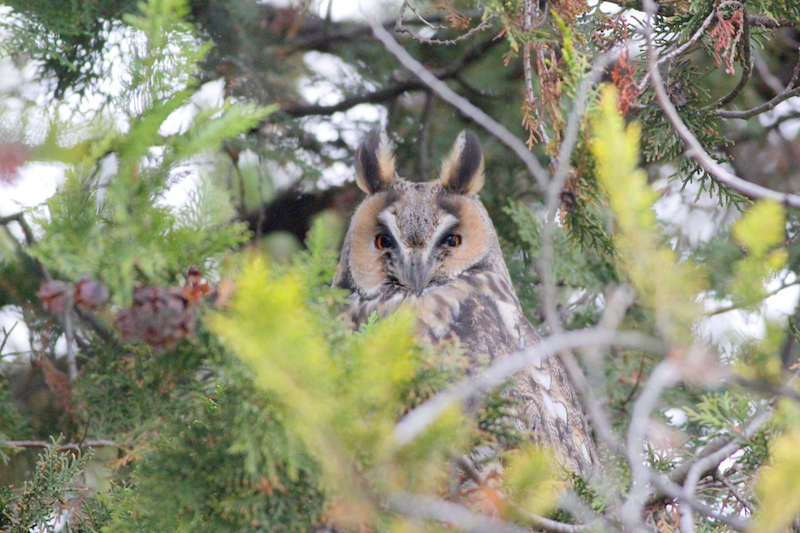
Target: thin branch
[695, 149]
[680, 50]
[539, 522]
[466, 107]
[666, 487]
[450, 513]
[664, 376]
[417, 420]
[763, 108]
[734, 307]
[424, 135]
[392, 92]
[733, 490]
[400, 27]
[59, 447]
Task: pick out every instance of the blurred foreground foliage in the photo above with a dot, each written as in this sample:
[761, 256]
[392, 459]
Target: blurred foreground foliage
[219, 388]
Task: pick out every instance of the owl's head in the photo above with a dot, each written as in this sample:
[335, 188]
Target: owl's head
[409, 237]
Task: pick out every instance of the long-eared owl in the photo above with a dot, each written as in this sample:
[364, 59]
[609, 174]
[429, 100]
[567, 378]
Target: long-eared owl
[433, 245]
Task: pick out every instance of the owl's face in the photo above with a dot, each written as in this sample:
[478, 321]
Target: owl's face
[407, 238]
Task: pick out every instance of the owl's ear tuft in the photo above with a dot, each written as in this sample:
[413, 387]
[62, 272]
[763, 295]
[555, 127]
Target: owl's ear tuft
[375, 162]
[462, 169]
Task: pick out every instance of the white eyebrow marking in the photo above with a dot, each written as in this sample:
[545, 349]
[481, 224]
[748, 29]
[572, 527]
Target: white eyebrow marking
[446, 224]
[390, 221]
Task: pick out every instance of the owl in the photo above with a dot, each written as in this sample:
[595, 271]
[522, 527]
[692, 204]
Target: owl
[433, 246]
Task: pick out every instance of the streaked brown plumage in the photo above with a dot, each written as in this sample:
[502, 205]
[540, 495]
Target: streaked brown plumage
[433, 246]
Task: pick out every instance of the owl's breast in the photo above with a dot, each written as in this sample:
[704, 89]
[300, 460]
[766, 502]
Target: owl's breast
[480, 311]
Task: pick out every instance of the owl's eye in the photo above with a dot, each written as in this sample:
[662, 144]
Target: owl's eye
[384, 241]
[453, 240]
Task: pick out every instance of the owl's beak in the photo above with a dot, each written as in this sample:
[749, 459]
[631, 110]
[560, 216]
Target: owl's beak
[417, 272]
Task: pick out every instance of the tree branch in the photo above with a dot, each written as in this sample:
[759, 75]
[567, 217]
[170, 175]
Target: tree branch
[695, 149]
[415, 421]
[60, 447]
[467, 108]
[392, 92]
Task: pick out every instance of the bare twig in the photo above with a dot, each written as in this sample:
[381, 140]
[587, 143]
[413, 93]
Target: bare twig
[424, 136]
[393, 91]
[539, 522]
[449, 513]
[695, 149]
[664, 376]
[19, 218]
[400, 27]
[763, 108]
[733, 307]
[747, 66]
[413, 423]
[466, 107]
[733, 490]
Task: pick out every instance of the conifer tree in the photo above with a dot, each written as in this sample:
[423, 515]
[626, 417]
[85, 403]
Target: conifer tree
[187, 368]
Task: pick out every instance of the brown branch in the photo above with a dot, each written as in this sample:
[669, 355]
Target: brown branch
[19, 218]
[392, 92]
[767, 106]
[376, 97]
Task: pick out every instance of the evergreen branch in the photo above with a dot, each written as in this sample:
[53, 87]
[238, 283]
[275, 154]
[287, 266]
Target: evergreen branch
[400, 27]
[416, 420]
[747, 65]
[467, 108]
[711, 462]
[695, 149]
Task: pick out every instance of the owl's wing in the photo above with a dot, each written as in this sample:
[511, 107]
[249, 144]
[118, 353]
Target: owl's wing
[493, 327]
[554, 413]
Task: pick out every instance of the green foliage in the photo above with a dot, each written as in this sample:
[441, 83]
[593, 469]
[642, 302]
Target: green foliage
[722, 412]
[779, 485]
[68, 38]
[760, 230]
[223, 464]
[40, 497]
[123, 233]
[667, 285]
[341, 403]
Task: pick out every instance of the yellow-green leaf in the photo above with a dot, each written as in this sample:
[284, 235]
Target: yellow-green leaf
[779, 486]
[761, 227]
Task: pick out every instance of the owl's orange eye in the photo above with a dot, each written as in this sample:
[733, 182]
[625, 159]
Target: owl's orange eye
[384, 241]
[453, 240]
